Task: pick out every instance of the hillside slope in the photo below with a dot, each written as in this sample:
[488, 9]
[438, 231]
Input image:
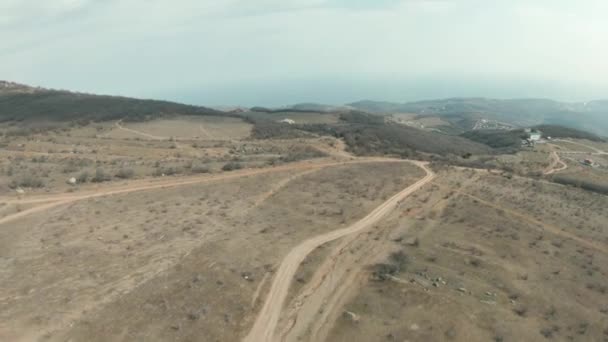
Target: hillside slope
[23, 103]
[463, 113]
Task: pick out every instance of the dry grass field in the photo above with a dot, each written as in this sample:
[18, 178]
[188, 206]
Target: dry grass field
[487, 258]
[176, 229]
[172, 263]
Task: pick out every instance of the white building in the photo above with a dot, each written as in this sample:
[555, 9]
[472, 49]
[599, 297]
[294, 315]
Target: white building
[535, 136]
[287, 121]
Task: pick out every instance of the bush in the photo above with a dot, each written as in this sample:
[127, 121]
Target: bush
[125, 173]
[232, 166]
[27, 181]
[384, 271]
[397, 263]
[166, 171]
[83, 177]
[200, 169]
[100, 176]
[302, 153]
[585, 184]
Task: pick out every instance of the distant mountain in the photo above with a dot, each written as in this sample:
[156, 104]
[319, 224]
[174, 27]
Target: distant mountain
[317, 107]
[23, 103]
[303, 108]
[464, 113]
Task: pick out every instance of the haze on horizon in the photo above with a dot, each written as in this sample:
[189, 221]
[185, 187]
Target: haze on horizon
[274, 52]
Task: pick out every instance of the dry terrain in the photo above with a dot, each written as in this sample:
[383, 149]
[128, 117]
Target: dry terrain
[178, 257]
[187, 229]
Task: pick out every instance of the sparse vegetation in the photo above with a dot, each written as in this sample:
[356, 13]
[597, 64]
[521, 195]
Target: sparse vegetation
[231, 166]
[27, 180]
[100, 176]
[125, 173]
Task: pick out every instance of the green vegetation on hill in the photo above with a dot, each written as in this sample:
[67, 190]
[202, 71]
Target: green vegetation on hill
[497, 138]
[367, 134]
[555, 131]
[462, 113]
[54, 105]
[405, 141]
[356, 117]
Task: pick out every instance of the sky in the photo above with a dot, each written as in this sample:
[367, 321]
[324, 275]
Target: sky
[279, 52]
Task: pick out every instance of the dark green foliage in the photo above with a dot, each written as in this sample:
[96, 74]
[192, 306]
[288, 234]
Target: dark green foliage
[230, 166]
[100, 176]
[581, 183]
[356, 117]
[301, 153]
[398, 262]
[497, 138]
[66, 106]
[265, 129]
[555, 131]
[404, 141]
[83, 177]
[374, 137]
[125, 173]
[166, 171]
[199, 168]
[383, 271]
[27, 181]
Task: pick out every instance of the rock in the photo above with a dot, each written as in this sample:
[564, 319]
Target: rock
[353, 317]
[247, 276]
[413, 241]
[72, 181]
[462, 289]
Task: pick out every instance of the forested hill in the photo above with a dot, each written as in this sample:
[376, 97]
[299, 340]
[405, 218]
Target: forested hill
[22, 103]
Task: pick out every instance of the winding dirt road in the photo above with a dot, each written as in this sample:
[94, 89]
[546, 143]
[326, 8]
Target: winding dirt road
[52, 201]
[265, 326]
[553, 168]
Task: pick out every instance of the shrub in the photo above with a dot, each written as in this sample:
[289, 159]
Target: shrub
[200, 169]
[384, 271]
[125, 173]
[166, 171]
[27, 181]
[100, 176]
[83, 177]
[232, 166]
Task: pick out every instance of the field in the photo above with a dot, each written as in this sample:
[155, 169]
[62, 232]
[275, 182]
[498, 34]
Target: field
[189, 228]
[488, 258]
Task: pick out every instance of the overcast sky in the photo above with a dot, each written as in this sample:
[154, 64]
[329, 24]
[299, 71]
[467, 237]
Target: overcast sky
[272, 52]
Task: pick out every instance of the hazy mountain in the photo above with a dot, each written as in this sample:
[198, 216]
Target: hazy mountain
[464, 112]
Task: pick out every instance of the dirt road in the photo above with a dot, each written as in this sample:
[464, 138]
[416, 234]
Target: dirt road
[143, 134]
[553, 167]
[53, 201]
[594, 149]
[264, 328]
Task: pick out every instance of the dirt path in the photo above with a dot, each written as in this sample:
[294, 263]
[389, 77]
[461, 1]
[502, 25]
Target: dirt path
[264, 328]
[594, 149]
[143, 134]
[205, 132]
[61, 199]
[553, 167]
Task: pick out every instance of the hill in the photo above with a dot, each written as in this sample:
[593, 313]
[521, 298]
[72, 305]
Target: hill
[464, 114]
[367, 134]
[555, 131]
[24, 103]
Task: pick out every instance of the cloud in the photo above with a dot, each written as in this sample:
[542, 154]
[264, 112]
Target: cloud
[140, 47]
